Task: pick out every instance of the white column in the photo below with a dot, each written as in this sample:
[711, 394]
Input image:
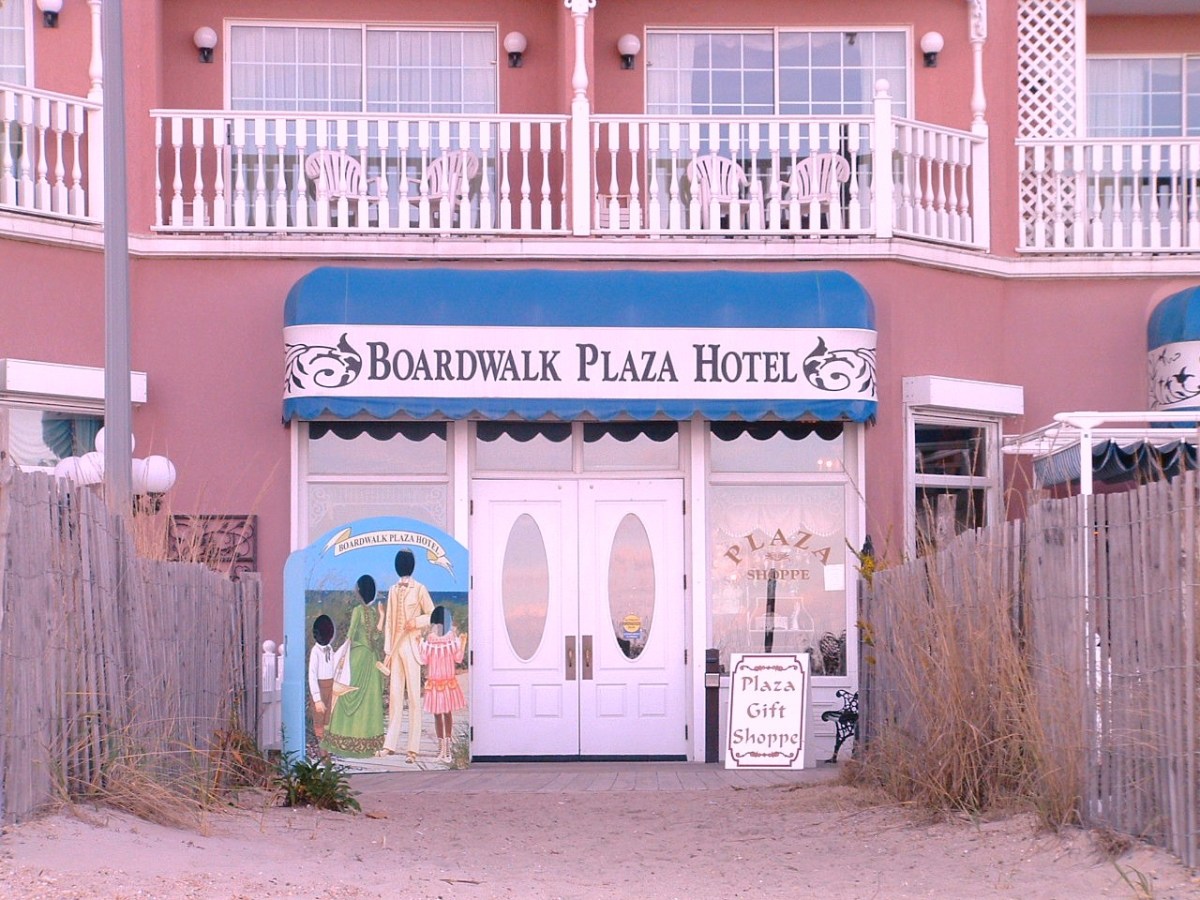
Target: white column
[885, 146]
[981, 212]
[95, 120]
[581, 157]
[978, 38]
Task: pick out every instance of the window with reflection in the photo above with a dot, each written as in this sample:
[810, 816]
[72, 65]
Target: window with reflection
[779, 574]
[523, 446]
[777, 447]
[40, 438]
[377, 448]
[525, 587]
[631, 586]
[955, 477]
[629, 446]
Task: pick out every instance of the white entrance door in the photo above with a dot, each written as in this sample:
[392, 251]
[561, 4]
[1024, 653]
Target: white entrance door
[577, 607]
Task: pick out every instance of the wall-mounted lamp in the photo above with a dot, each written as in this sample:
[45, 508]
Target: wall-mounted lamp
[514, 45]
[628, 46]
[205, 40]
[150, 478]
[50, 10]
[931, 45]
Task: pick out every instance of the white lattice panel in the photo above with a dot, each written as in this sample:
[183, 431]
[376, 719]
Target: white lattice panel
[1048, 56]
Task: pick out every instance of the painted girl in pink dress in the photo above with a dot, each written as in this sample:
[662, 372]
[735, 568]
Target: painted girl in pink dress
[440, 652]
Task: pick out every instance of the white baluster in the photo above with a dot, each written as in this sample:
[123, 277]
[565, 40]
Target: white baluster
[158, 143]
[199, 204]
[321, 137]
[279, 195]
[855, 146]
[654, 204]
[58, 200]
[523, 135]
[240, 211]
[78, 199]
[423, 147]
[486, 213]
[634, 133]
[177, 174]
[220, 155]
[1136, 221]
[341, 138]
[544, 142]
[613, 143]
[1193, 178]
[943, 171]
[1173, 154]
[25, 160]
[505, 149]
[564, 166]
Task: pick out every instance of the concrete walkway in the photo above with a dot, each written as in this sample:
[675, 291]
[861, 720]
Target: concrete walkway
[582, 777]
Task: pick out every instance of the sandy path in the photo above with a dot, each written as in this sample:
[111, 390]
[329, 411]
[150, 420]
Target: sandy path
[815, 840]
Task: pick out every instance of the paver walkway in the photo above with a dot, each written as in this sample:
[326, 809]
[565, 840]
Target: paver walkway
[581, 777]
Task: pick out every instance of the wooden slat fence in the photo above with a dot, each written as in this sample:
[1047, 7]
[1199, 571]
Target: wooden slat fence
[104, 654]
[1102, 593]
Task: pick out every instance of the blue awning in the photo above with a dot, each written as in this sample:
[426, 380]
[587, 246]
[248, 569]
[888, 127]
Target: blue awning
[1173, 345]
[538, 343]
[1115, 463]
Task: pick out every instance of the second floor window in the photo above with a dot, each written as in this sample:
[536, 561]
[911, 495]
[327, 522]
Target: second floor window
[799, 73]
[12, 41]
[362, 69]
[1150, 97]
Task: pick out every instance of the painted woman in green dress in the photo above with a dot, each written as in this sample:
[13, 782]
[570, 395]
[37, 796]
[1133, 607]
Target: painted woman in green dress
[356, 726]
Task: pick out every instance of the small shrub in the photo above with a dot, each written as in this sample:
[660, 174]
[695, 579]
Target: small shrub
[324, 785]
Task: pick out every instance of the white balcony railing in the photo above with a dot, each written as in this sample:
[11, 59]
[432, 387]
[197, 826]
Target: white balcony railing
[1104, 196]
[44, 166]
[245, 172]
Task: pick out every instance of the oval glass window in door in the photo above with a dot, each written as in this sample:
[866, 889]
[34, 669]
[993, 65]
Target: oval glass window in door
[525, 587]
[631, 585]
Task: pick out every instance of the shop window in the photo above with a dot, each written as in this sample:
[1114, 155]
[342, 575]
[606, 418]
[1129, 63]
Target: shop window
[818, 73]
[357, 470]
[778, 507]
[377, 448]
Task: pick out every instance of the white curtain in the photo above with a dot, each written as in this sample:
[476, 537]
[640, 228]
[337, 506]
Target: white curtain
[1135, 97]
[13, 16]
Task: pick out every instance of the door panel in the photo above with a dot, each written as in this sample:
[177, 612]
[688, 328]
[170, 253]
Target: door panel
[631, 542]
[608, 675]
[521, 707]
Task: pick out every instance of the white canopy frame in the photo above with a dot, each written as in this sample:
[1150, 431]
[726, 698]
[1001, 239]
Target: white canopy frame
[1083, 429]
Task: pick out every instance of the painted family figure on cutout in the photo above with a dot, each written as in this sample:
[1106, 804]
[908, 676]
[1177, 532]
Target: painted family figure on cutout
[386, 670]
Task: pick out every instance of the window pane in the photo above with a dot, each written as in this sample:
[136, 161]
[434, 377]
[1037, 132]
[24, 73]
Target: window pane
[1138, 97]
[331, 505]
[34, 437]
[377, 448]
[12, 42]
[631, 583]
[521, 447]
[951, 450]
[525, 587]
[777, 447]
[779, 564]
[945, 512]
[630, 446]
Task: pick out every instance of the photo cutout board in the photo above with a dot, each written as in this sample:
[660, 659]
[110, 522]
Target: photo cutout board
[379, 607]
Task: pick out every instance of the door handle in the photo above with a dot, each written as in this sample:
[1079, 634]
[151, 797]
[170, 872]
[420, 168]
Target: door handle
[587, 657]
[569, 664]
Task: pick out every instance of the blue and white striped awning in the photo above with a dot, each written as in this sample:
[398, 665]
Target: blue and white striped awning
[536, 344]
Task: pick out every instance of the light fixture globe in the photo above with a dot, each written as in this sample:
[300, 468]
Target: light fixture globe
[50, 10]
[69, 468]
[932, 43]
[91, 468]
[99, 442]
[628, 45]
[205, 40]
[515, 45]
[159, 475]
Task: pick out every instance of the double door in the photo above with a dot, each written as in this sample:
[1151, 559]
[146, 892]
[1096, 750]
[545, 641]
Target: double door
[577, 606]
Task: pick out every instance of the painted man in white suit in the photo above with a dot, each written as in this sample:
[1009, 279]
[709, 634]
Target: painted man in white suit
[403, 625]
